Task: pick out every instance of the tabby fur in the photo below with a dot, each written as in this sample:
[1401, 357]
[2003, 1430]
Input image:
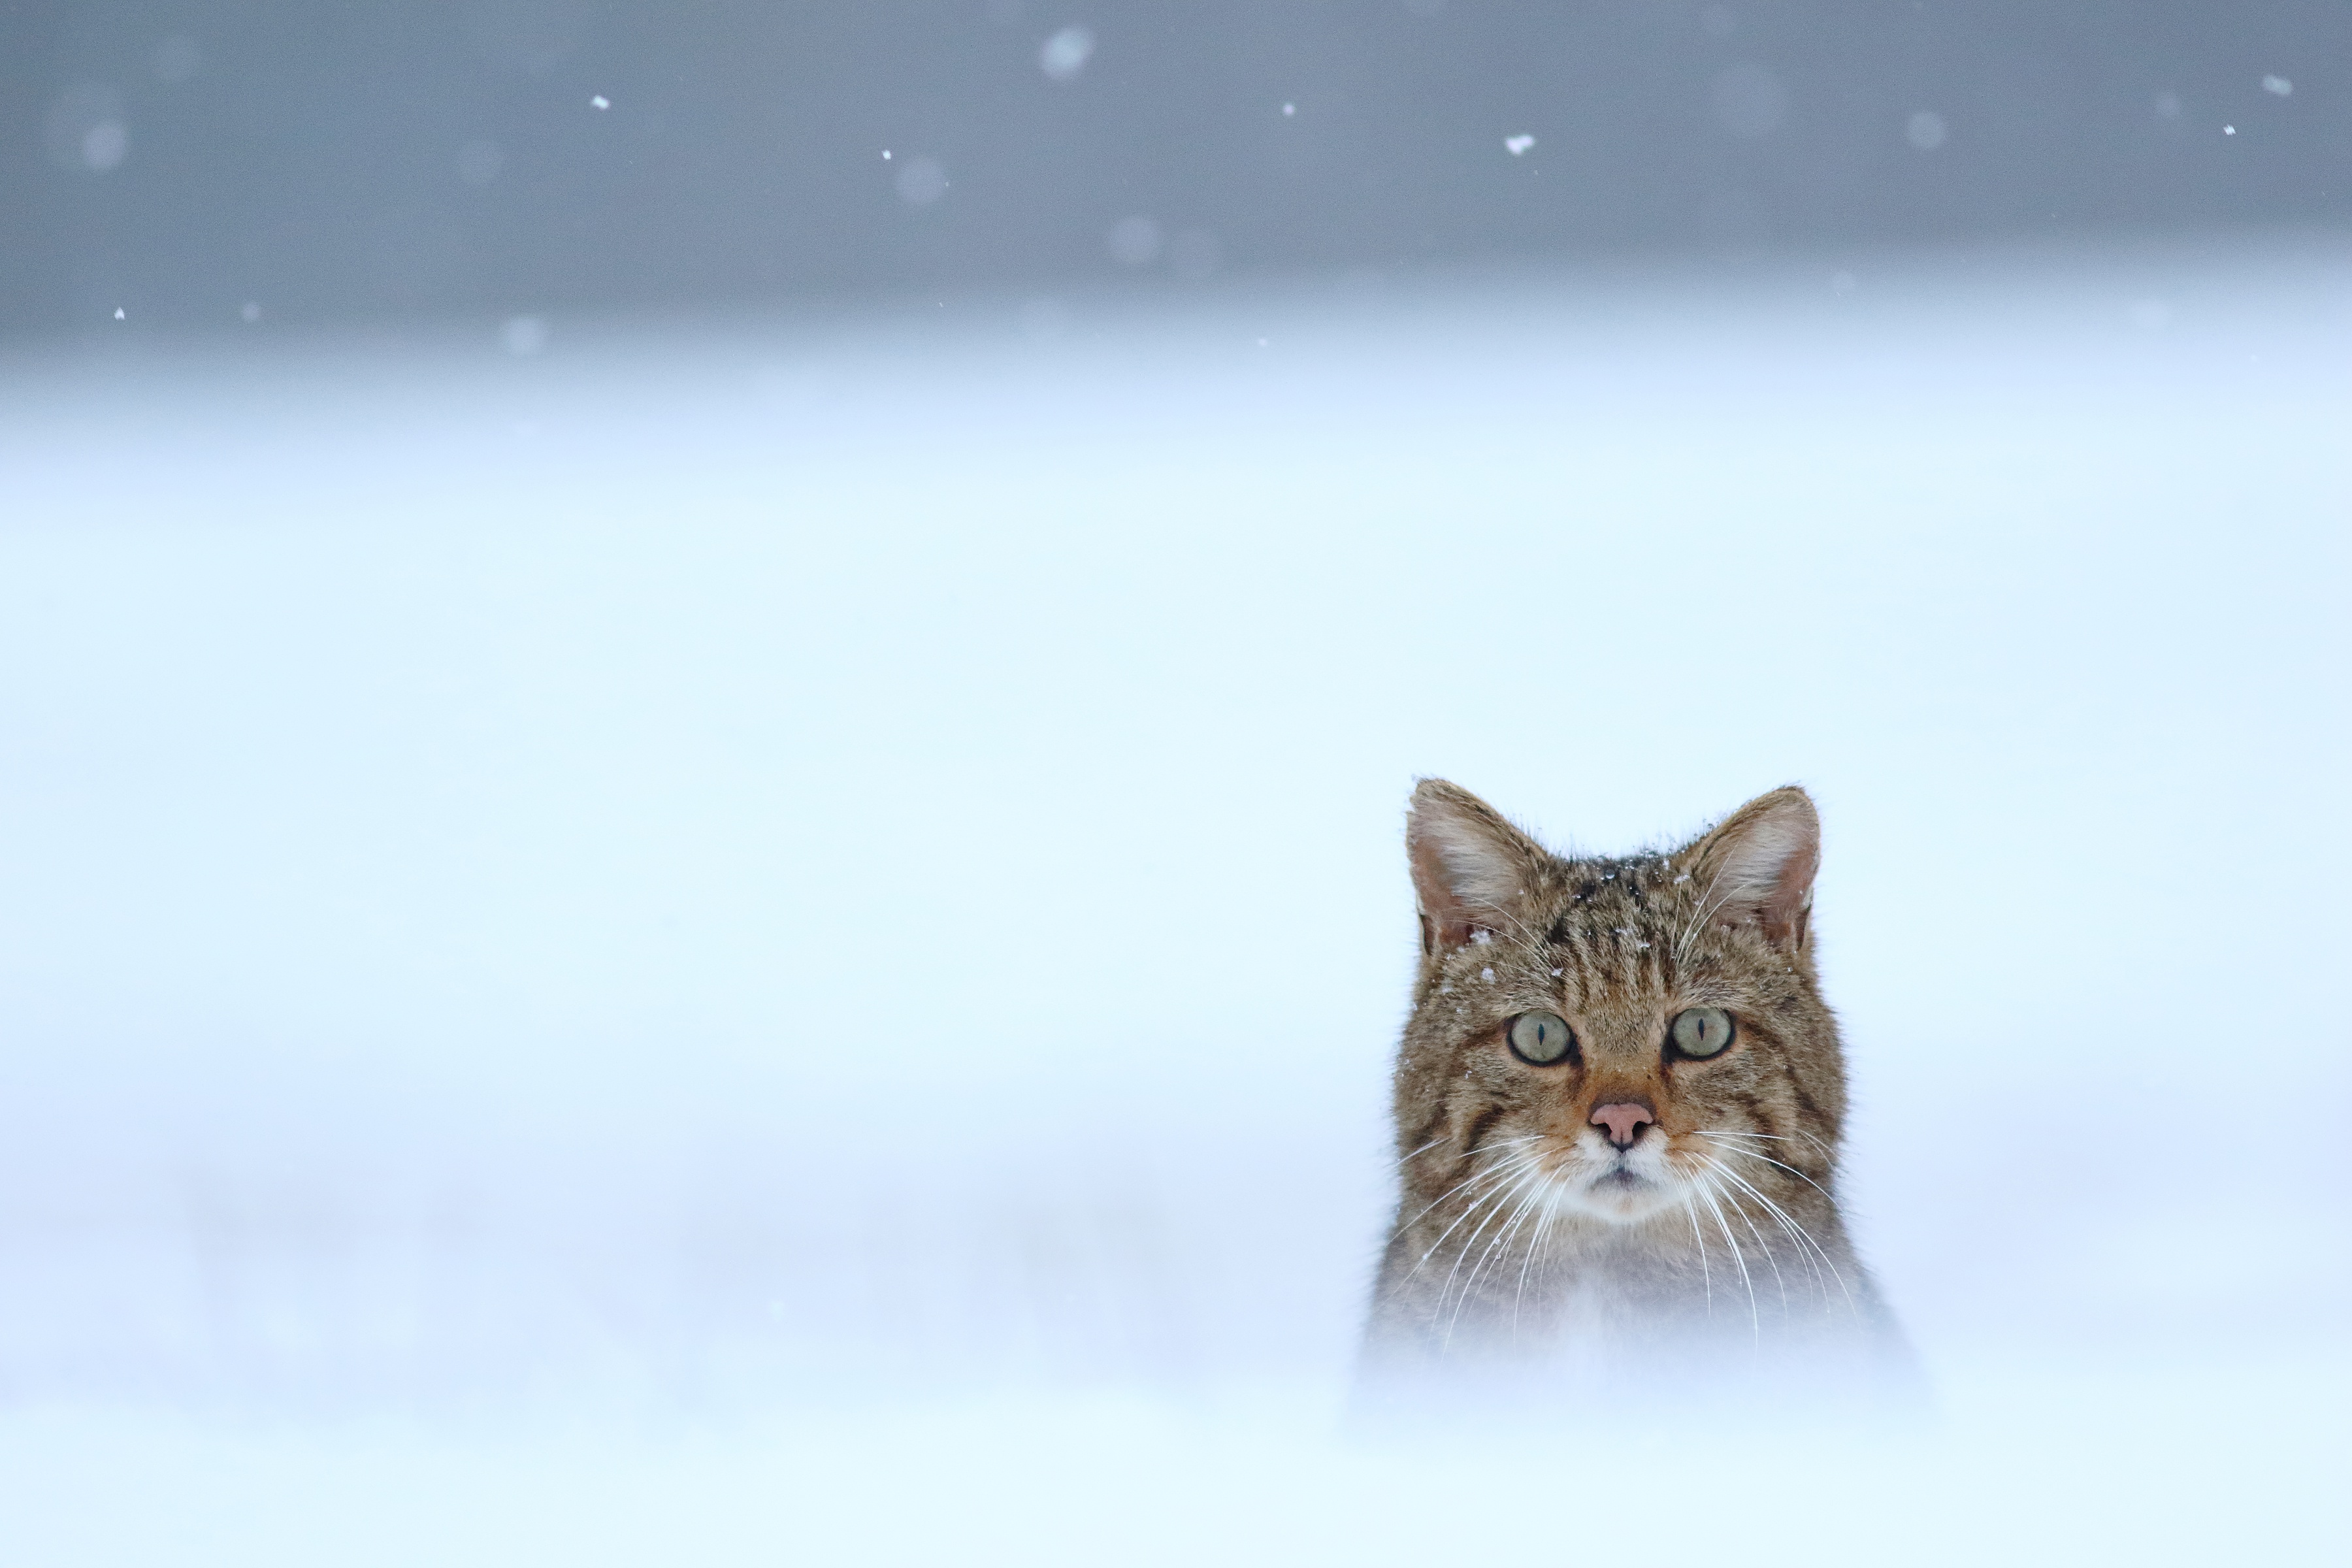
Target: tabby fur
[1523, 1234]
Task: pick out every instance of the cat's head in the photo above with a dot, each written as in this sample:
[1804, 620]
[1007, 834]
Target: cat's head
[1617, 1038]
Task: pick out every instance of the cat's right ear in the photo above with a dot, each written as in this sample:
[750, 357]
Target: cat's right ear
[1471, 869]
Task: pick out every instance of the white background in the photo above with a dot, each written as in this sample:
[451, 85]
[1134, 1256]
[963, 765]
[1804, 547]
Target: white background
[782, 945]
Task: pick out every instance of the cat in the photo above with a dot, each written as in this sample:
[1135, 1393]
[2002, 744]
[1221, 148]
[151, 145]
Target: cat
[1619, 1102]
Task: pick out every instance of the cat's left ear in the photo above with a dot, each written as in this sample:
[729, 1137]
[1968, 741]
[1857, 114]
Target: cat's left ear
[1758, 867]
[1471, 868]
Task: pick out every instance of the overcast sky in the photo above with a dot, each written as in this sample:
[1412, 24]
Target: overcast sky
[202, 161]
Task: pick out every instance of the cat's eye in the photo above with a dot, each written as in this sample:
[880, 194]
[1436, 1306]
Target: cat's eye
[1701, 1031]
[1541, 1038]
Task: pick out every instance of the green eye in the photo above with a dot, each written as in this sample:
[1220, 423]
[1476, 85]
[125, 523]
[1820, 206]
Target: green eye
[1701, 1031]
[1540, 1037]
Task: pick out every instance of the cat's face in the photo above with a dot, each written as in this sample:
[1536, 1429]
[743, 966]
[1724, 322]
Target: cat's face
[1622, 1039]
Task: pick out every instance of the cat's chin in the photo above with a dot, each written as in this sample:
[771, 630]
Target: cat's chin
[1621, 1196]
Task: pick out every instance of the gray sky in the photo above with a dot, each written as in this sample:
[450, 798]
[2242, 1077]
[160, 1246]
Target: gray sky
[390, 161]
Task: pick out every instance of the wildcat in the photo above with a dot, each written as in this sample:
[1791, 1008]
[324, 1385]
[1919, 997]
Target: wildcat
[1618, 1104]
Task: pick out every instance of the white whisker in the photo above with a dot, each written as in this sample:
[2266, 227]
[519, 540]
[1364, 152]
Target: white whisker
[1707, 1280]
[1494, 1178]
[1708, 906]
[1762, 1246]
[1756, 1322]
[1798, 1232]
[1534, 1246]
[1532, 1172]
[1424, 1149]
[1781, 1218]
[1827, 1152]
[1497, 1180]
[1758, 1154]
[1505, 1145]
[1502, 1239]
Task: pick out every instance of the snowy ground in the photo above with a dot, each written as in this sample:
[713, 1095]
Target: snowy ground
[779, 945]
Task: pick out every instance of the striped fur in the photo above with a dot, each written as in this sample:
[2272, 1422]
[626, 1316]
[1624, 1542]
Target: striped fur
[1520, 1231]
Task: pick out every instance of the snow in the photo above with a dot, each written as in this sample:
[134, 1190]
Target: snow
[1518, 144]
[87, 129]
[103, 146]
[660, 993]
[1065, 54]
[524, 336]
[2042, 1465]
[921, 182]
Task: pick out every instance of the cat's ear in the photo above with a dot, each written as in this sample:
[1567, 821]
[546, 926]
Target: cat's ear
[1471, 869]
[1758, 867]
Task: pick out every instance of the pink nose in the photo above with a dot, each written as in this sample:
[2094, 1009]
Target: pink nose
[1623, 1119]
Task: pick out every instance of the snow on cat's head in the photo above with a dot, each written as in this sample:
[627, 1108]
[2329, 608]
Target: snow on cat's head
[1636, 1035]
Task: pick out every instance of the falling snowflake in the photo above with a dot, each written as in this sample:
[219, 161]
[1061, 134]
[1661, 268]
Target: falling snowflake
[921, 182]
[523, 335]
[1065, 53]
[1515, 145]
